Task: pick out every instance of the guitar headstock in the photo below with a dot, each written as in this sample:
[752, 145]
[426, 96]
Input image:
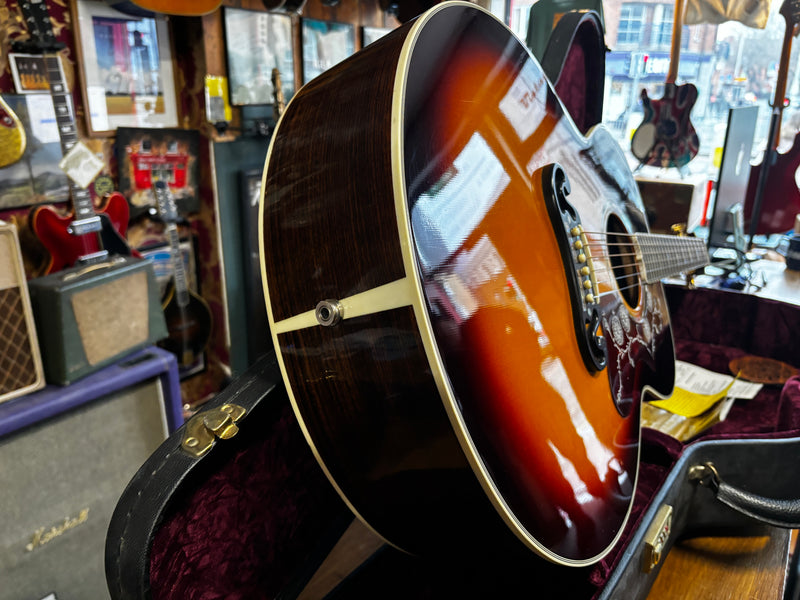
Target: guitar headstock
[37, 19]
[165, 202]
[790, 9]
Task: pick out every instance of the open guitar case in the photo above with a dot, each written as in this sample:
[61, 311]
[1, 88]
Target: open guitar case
[243, 511]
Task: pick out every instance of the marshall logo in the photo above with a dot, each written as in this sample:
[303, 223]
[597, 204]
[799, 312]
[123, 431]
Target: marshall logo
[42, 535]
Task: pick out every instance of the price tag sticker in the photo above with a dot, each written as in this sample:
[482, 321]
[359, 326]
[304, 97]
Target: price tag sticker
[81, 165]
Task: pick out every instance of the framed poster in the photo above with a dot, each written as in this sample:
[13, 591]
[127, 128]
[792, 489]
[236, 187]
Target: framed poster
[370, 34]
[35, 178]
[324, 45]
[147, 155]
[256, 43]
[126, 68]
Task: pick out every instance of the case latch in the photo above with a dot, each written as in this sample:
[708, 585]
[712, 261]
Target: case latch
[656, 538]
[203, 428]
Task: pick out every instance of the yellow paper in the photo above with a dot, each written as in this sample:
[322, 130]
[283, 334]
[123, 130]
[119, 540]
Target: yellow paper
[690, 404]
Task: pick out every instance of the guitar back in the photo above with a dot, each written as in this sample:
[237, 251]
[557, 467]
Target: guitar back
[427, 311]
[781, 197]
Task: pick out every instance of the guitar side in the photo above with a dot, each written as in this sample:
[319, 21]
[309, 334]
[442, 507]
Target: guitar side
[449, 400]
[65, 249]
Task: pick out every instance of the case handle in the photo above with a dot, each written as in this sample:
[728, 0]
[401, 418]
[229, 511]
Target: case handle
[780, 513]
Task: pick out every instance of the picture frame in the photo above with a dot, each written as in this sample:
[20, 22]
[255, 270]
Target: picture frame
[29, 73]
[126, 68]
[35, 178]
[325, 43]
[371, 34]
[256, 42]
[144, 155]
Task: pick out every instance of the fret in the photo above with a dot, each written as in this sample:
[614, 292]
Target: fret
[661, 256]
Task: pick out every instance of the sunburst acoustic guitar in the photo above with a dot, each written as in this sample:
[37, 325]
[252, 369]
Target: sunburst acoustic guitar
[468, 327]
[666, 136]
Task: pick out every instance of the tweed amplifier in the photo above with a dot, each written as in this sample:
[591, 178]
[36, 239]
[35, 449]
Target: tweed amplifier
[20, 361]
[67, 454]
[92, 315]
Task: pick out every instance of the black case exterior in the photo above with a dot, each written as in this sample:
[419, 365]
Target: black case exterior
[89, 316]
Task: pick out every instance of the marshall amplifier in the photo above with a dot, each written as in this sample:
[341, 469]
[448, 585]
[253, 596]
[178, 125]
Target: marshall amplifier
[67, 454]
[20, 361]
[92, 315]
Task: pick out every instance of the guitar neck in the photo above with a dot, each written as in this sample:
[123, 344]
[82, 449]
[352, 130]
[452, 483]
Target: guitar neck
[661, 256]
[780, 84]
[179, 269]
[675, 47]
[83, 206]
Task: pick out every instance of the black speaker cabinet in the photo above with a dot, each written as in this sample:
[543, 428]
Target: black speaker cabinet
[20, 360]
[67, 454]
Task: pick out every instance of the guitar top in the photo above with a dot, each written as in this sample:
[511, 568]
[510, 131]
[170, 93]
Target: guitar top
[12, 136]
[464, 333]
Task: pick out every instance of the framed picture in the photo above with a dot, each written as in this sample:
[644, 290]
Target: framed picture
[370, 34]
[256, 43]
[29, 72]
[147, 155]
[126, 68]
[35, 178]
[324, 45]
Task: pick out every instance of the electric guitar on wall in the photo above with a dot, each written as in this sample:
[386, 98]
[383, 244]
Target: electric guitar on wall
[666, 136]
[466, 329]
[187, 315]
[84, 235]
[773, 198]
[12, 136]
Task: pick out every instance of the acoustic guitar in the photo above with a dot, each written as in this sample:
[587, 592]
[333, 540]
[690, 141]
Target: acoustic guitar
[666, 137]
[13, 140]
[187, 315]
[84, 235]
[467, 327]
[773, 199]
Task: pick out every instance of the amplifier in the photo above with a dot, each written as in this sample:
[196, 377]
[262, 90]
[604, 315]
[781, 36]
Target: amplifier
[20, 361]
[92, 315]
[67, 454]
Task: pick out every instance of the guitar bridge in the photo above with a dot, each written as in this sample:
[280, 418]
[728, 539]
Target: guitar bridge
[577, 262]
[84, 226]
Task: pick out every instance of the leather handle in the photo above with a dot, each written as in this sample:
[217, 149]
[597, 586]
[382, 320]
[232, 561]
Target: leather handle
[780, 513]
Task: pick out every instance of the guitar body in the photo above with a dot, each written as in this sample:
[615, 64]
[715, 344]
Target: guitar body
[65, 249]
[188, 327]
[781, 199]
[453, 401]
[666, 136]
[12, 136]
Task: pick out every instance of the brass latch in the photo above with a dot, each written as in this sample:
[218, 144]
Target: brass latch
[203, 428]
[656, 538]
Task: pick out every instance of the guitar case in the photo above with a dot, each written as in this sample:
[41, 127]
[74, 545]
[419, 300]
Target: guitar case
[254, 515]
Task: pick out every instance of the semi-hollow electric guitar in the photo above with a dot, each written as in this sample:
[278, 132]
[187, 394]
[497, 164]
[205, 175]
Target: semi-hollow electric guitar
[85, 234]
[666, 136]
[12, 136]
[773, 198]
[467, 327]
[187, 315]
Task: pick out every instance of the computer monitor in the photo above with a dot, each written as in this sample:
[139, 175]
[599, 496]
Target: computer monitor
[734, 173]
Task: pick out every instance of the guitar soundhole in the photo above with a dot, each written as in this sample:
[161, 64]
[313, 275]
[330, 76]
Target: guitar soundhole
[622, 256]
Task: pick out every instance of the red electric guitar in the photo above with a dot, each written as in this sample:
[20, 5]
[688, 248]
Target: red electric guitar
[666, 136]
[773, 198]
[467, 328]
[85, 235]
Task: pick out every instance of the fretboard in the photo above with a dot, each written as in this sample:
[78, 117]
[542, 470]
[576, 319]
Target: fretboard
[181, 287]
[661, 256]
[65, 120]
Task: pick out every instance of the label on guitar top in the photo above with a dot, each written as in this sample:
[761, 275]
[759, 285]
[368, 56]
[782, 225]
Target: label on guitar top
[81, 165]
